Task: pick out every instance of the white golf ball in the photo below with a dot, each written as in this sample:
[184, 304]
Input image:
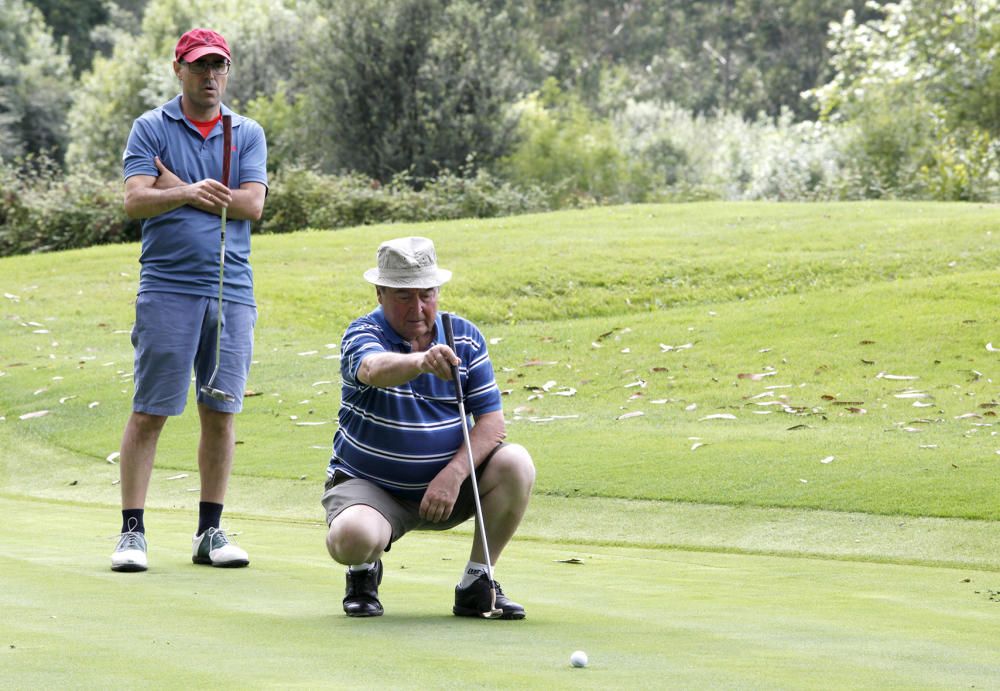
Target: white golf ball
[578, 658]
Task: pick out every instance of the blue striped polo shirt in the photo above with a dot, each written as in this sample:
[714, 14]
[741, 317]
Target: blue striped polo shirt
[400, 437]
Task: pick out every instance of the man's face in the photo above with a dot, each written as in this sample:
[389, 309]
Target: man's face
[202, 86]
[410, 311]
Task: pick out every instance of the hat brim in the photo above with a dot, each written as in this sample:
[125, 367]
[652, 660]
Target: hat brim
[202, 51]
[425, 279]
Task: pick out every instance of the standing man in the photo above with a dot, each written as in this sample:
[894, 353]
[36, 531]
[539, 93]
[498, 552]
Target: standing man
[173, 164]
[399, 460]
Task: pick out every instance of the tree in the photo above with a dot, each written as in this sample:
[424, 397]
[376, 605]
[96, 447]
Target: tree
[35, 84]
[122, 17]
[944, 50]
[746, 56]
[919, 82]
[414, 86]
[74, 19]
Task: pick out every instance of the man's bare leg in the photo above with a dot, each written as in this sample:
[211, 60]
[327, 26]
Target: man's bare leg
[138, 449]
[215, 453]
[506, 489]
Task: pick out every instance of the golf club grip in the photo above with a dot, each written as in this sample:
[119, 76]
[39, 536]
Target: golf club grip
[227, 146]
[449, 337]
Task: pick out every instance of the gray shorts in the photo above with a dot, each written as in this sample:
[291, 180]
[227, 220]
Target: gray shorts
[403, 514]
[174, 333]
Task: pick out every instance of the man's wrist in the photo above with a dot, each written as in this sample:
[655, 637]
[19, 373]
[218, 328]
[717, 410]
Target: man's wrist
[459, 467]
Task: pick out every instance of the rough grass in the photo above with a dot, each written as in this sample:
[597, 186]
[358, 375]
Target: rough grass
[663, 311]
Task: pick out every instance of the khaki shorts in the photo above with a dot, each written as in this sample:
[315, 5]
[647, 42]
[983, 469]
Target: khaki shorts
[403, 514]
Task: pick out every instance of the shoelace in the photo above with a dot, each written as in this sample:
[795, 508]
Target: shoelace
[130, 540]
[219, 539]
[364, 582]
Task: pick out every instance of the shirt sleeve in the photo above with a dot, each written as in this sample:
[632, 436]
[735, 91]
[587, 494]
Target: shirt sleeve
[362, 338]
[141, 148]
[253, 153]
[481, 391]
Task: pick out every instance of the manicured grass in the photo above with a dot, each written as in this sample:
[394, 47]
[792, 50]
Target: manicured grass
[825, 533]
[647, 619]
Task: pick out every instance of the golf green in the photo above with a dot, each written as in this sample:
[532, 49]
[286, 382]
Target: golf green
[648, 618]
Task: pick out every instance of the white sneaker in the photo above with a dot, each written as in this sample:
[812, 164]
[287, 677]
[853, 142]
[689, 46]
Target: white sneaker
[213, 547]
[130, 553]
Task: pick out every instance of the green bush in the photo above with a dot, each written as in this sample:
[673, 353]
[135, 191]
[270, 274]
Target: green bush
[43, 210]
[303, 198]
[691, 157]
[572, 154]
[964, 166]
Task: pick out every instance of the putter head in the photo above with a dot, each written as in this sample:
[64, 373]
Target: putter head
[217, 394]
[494, 612]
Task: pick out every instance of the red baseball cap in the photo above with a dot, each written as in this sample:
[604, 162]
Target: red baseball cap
[198, 42]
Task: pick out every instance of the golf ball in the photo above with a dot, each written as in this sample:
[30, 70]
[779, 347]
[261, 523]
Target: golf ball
[578, 658]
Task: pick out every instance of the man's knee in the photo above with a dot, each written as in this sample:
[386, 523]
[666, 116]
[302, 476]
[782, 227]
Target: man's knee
[145, 424]
[215, 421]
[356, 534]
[513, 467]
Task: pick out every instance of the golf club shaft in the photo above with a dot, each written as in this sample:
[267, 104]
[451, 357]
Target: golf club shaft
[450, 338]
[218, 329]
[227, 146]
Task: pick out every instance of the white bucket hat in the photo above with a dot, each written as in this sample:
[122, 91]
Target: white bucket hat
[407, 263]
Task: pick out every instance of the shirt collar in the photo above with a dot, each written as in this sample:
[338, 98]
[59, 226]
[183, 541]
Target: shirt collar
[173, 108]
[378, 316]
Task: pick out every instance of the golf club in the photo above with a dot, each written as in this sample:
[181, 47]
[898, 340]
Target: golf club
[227, 145]
[493, 612]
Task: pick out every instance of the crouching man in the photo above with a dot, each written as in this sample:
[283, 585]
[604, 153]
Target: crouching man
[399, 458]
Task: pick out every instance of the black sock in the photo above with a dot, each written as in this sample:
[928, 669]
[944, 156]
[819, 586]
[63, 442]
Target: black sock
[209, 516]
[132, 521]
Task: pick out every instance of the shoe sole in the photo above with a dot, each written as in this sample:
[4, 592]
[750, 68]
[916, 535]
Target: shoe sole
[465, 612]
[234, 564]
[128, 568]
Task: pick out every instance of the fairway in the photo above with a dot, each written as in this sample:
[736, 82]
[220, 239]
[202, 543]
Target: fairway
[765, 439]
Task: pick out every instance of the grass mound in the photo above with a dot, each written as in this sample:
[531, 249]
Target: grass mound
[830, 357]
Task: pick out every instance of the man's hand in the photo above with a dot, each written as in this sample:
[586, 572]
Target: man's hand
[208, 195]
[438, 360]
[167, 178]
[441, 494]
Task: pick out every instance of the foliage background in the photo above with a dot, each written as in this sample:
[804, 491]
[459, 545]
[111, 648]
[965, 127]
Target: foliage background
[415, 109]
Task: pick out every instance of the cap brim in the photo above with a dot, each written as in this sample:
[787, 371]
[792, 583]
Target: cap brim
[202, 51]
[439, 277]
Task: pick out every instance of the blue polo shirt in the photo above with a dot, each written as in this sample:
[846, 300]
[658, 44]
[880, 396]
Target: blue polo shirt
[400, 437]
[180, 248]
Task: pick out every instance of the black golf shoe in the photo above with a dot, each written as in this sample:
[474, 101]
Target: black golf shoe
[474, 601]
[361, 599]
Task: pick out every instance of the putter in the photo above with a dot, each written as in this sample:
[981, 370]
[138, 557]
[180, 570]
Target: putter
[493, 612]
[227, 145]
